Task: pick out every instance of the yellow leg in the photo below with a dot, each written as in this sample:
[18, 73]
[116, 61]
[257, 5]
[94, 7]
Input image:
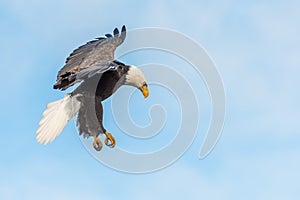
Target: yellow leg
[97, 143]
[109, 140]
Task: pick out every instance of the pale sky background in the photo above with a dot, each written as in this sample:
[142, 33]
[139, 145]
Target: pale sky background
[255, 45]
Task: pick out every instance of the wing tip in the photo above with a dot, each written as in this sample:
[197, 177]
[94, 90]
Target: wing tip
[116, 32]
[123, 28]
[108, 35]
[123, 33]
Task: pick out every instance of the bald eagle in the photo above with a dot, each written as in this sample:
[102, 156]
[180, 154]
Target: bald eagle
[100, 75]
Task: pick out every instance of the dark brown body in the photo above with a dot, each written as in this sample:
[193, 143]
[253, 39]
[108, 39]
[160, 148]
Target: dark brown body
[91, 92]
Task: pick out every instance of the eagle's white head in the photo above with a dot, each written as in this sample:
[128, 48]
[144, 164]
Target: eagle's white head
[136, 78]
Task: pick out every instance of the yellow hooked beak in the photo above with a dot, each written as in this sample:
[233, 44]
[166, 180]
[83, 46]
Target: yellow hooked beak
[144, 90]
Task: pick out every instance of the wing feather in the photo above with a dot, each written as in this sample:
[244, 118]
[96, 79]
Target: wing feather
[108, 35]
[94, 52]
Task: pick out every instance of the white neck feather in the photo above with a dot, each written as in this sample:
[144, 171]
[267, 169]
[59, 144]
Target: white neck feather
[135, 77]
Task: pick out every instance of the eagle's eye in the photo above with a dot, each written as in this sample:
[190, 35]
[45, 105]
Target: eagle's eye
[119, 68]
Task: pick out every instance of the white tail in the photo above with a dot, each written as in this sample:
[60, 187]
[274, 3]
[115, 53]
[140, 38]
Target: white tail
[55, 118]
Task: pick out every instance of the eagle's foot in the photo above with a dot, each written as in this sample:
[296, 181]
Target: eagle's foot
[97, 143]
[109, 140]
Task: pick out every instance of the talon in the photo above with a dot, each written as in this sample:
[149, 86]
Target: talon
[97, 143]
[109, 140]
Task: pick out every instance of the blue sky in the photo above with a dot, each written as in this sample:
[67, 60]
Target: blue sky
[255, 45]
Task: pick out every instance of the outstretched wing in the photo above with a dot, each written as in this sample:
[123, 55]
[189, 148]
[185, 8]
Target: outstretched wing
[99, 68]
[93, 53]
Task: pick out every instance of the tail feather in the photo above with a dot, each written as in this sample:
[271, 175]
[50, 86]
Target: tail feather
[49, 112]
[55, 118]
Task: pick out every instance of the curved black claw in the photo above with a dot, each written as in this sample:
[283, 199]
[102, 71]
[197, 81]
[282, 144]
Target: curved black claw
[97, 143]
[109, 140]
